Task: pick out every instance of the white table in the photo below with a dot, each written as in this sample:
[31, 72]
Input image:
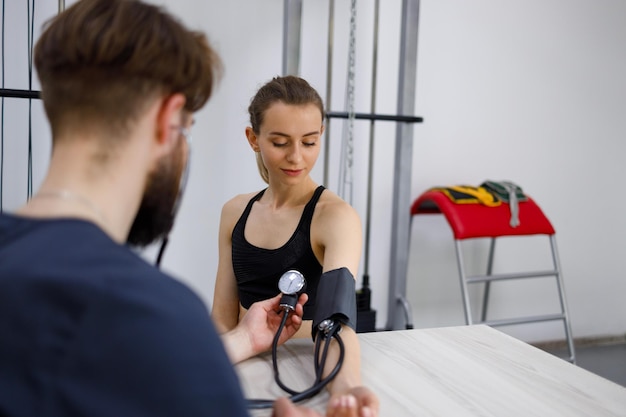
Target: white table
[451, 372]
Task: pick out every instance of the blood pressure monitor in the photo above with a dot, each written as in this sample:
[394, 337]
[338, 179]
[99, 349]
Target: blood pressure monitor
[290, 284]
[336, 306]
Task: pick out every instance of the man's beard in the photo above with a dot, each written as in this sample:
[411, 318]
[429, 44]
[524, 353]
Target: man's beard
[155, 217]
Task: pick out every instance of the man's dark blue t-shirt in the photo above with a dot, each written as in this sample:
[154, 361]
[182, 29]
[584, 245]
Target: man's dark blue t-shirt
[88, 328]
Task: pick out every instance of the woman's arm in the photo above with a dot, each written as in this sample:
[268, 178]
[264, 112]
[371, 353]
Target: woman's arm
[225, 306]
[336, 236]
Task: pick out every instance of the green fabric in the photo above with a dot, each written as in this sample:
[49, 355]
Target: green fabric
[504, 189]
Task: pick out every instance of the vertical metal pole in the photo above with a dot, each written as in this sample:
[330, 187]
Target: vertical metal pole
[329, 83]
[403, 163]
[292, 23]
[370, 163]
[61, 5]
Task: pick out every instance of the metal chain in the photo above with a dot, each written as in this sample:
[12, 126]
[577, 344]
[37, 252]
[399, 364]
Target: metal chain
[348, 140]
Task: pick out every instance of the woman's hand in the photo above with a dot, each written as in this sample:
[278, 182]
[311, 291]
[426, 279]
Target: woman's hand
[283, 407]
[357, 402]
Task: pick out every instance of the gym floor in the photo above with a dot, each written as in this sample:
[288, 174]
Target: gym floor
[606, 360]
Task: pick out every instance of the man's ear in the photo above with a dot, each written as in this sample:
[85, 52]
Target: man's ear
[170, 115]
[253, 140]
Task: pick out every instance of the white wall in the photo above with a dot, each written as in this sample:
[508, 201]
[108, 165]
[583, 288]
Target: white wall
[534, 92]
[530, 91]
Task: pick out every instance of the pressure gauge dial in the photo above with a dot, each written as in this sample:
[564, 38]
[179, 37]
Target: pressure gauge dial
[291, 282]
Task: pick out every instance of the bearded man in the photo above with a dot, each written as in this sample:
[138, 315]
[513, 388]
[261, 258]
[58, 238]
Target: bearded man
[87, 327]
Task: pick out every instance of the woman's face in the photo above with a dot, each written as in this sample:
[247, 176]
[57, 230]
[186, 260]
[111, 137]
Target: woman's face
[289, 141]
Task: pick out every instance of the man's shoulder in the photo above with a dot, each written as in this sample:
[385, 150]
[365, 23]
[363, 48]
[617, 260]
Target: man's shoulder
[98, 309]
[78, 256]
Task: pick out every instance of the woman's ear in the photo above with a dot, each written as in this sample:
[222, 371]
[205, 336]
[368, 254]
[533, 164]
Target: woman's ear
[253, 140]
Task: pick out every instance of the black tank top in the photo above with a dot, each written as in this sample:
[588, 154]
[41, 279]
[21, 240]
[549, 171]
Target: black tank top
[257, 270]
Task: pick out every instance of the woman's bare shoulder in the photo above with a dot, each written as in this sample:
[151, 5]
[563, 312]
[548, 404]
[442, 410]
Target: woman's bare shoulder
[332, 208]
[234, 207]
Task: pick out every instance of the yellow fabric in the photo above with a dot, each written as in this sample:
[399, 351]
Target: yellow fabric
[466, 194]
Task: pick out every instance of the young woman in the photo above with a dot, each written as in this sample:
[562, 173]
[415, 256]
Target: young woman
[294, 223]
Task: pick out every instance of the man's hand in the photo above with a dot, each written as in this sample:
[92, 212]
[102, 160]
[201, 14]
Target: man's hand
[262, 320]
[255, 332]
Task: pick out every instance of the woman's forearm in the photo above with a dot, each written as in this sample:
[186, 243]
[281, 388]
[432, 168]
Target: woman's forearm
[350, 374]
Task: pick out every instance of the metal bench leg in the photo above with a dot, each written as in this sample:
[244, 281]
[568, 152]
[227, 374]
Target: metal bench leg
[464, 289]
[492, 248]
[561, 288]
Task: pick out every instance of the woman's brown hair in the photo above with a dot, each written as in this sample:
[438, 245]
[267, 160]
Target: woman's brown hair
[290, 90]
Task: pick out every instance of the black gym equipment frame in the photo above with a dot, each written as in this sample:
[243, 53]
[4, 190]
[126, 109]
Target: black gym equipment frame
[28, 94]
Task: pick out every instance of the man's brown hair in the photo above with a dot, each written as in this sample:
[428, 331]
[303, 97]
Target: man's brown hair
[100, 62]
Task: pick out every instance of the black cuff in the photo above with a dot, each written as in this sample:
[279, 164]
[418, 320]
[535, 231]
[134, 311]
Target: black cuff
[336, 299]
